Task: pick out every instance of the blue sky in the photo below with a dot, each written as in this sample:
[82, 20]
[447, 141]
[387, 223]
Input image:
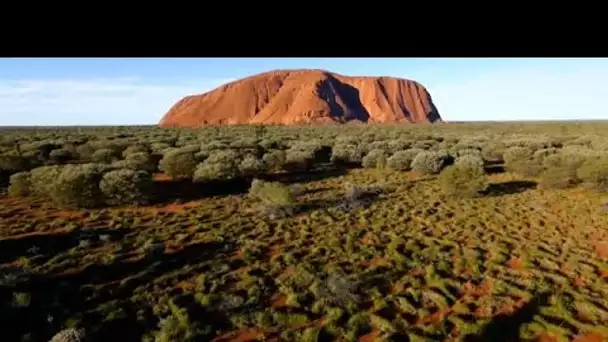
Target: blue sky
[139, 91]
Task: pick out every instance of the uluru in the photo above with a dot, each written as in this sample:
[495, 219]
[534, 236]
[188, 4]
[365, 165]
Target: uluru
[290, 97]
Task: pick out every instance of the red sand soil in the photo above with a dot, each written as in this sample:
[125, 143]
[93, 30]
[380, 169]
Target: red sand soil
[590, 337]
[601, 248]
[546, 337]
[253, 334]
[279, 301]
[305, 97]
[274, 250]
[515, 263]
[373, 336]
[376, 261]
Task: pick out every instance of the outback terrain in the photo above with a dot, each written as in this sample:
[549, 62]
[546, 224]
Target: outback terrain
[451, 232]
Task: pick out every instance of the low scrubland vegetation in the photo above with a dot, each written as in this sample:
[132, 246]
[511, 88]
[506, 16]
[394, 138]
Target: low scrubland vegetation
[373, 232]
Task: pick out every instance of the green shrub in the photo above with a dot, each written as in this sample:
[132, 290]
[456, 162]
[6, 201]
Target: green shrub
[463, 180]
[104, 156]
[201, 156]
[402, 160]
[245, 143]
[224, 156]
[214, 145]
[12, 163]
[60, 155]
[270, 144]
[178, 326]
[376, 145]
[521, 160]
[77, 186]
[540, 155]
[569, 159]
[468, 152]
[428, 162]
[298, 160]
[347, 154]
[141, 161]
[212, 171]
[424, 144]
[159, 147]
[251, 166]
[560, 171]
[274, 160]
[126, 187]
[39, 149]
[315, 149]
[20, 184]
[514, 155]
[558, 178]
[397, 145]
[277, 198]
[43, 178]
[69, 335]
[178, 163]
[137, 148]
[85, 151]
[471, 159]
[594, 173]
[493, 151]
[375, 159]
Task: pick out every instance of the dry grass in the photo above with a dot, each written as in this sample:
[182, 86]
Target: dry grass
[519, 262]
[439, 268]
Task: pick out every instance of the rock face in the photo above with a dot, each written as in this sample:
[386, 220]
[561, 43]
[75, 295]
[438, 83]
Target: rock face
[291, 97]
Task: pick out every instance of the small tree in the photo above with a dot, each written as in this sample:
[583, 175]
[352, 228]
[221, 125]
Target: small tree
[540, 155]
[251, 166]
[493, 151]
[471, 159]
[60, 155]
[346, 154]
[69, 335]
[104, 156]
[78, 186]
[221, 170]
[274, 160]
[141, 161]
[137, 148]
[298, 160]
[277, 198]
[560, 171]
[126, 187]
[20, 184]
[521, 160]
[15, 163]
[224, 156]
[375, 159]
[463, 180]
[178, 163]
[43, 178]
[468, 152]
[594, 173]
[428, 162]
[402, 160]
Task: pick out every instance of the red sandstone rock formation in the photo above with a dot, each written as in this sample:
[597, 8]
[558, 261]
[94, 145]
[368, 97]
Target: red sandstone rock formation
[306, 97]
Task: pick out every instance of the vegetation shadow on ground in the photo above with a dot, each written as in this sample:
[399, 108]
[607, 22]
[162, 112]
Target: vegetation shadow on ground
[170, 190]
[508, 188]
[56, 298]
[506, 327]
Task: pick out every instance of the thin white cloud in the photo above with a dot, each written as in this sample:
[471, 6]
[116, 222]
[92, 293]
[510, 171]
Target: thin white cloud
[110, 101]
[526, 94]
